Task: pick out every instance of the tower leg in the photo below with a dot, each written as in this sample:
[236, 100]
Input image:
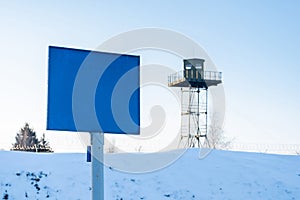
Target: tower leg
[206, 118]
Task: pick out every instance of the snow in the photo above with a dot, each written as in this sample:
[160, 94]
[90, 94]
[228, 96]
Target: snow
[220, 175]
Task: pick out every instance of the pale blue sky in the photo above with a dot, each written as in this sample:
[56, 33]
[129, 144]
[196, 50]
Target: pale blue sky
[255, 43]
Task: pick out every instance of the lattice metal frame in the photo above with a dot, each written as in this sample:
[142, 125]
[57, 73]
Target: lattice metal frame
[194, 124]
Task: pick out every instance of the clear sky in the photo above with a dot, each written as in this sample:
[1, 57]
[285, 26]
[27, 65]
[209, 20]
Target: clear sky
[255, 44]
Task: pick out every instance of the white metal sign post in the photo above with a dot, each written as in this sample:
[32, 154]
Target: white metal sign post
[97, 142]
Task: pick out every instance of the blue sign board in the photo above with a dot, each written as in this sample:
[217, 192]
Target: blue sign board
[91, 91]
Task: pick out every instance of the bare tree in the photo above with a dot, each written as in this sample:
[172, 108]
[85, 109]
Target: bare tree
[215, 134]
[111, 146]
[138, 148]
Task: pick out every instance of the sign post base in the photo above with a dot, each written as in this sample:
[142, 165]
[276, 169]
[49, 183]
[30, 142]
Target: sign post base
[97, 142]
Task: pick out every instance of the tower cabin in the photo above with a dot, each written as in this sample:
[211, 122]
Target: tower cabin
[194, 75]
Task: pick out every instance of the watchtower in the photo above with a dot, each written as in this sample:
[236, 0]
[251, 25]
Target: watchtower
[194, 82]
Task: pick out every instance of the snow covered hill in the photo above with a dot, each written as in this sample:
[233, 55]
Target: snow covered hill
[220, 175]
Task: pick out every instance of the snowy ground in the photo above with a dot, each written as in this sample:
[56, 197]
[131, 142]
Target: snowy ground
[221, 175]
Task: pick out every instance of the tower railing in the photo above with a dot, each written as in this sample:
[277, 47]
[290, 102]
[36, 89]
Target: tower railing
[213, 75]
[208, 75]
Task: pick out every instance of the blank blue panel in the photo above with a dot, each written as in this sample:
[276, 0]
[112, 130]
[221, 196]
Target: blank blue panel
[93, 91]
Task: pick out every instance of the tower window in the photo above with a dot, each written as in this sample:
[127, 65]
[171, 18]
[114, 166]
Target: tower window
[198, 66]
[188, 66]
